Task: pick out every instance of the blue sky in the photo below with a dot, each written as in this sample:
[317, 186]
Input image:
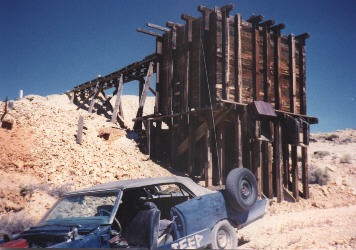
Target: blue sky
[47, 47]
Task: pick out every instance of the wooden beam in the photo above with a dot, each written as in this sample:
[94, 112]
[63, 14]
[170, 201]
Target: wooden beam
[255, 54]
[156, 108]
[238, 62]
[200, 132]
[157, 27]
[206, 16]
[266, 63]
[118, 100]
[192, 143]
[138, 124]
[292, 73]
[277, 61]
[225, 52]
[277, 155]
[147, 32]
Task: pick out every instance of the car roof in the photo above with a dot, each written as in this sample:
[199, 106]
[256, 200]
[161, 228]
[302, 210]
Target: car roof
[134, 183]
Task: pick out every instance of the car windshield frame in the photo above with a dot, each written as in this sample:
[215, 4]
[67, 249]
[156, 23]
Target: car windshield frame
[82, 220]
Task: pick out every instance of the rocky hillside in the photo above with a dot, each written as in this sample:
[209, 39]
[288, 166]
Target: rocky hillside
[40, 153]
[40, 159]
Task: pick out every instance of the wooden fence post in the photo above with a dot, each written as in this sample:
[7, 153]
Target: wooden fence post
[118, 100]
[80, 130]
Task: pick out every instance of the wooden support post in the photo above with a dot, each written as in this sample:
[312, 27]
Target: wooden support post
[267, 169]
[220, 151]
[209, 160]
[286, 172]
[292, 73]
[118, 100]
[277, 61]
[225, 51]
[188, 48]
[96, 92]
[277, 155]
[238, 62]
[295, 179]
[305, 173]
[238, 141]
[80, 130]
[302, 72]
[138, 124]
[303, 110]
[173, 146]
[255, 55]
[72, 97]
[147, 125]
[257, 164]
[266, 62]
[156, 108]
[192, 143]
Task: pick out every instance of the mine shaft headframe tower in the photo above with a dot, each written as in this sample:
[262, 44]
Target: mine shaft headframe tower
[226, 88]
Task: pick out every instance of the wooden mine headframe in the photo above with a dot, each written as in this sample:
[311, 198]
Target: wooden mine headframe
[232, 94]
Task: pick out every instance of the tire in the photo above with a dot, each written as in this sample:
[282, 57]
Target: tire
[224, 236]
[241, 189]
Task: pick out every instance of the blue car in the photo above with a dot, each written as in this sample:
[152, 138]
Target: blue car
[166, 212]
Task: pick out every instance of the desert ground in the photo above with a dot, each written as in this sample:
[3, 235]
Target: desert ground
[40, 159]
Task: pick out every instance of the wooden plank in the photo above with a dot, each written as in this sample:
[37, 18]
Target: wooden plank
[200, 132]
[295, 180]
[255, 65]
[138, 124]
[147, 32]
[277, 155]
[302, 73]
[118, 100]
[292, 73]
[209, 160]
[220, 154]
[155, 26]
[225, 52]
[277, 62]
[238, 62]
[266, 50]
[156, 108]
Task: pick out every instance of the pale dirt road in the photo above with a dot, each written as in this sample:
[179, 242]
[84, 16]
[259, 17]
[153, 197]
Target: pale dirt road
[310, 229]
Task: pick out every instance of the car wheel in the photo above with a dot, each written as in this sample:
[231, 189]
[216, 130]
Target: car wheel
[241, 189]
[224, 236]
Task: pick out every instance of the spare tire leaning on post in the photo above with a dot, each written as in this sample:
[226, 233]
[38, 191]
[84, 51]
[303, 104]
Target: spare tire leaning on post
[241, 189]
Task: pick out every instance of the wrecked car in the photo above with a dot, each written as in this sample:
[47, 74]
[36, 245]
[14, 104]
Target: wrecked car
[165, 212]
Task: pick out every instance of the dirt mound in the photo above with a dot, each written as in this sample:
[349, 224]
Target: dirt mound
[43, 145]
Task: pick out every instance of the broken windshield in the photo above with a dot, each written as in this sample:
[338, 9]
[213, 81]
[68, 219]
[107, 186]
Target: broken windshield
[83, 209]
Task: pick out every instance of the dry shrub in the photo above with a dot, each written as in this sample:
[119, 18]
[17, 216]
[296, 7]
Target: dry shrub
[321, 154]
[332, 137]
[15, 223]
[346, 158]
[318, 175]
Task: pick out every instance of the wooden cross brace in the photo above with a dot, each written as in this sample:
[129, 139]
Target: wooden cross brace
[138, 124]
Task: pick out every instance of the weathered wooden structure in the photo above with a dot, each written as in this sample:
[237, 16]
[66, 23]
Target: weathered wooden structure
[232, 94]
